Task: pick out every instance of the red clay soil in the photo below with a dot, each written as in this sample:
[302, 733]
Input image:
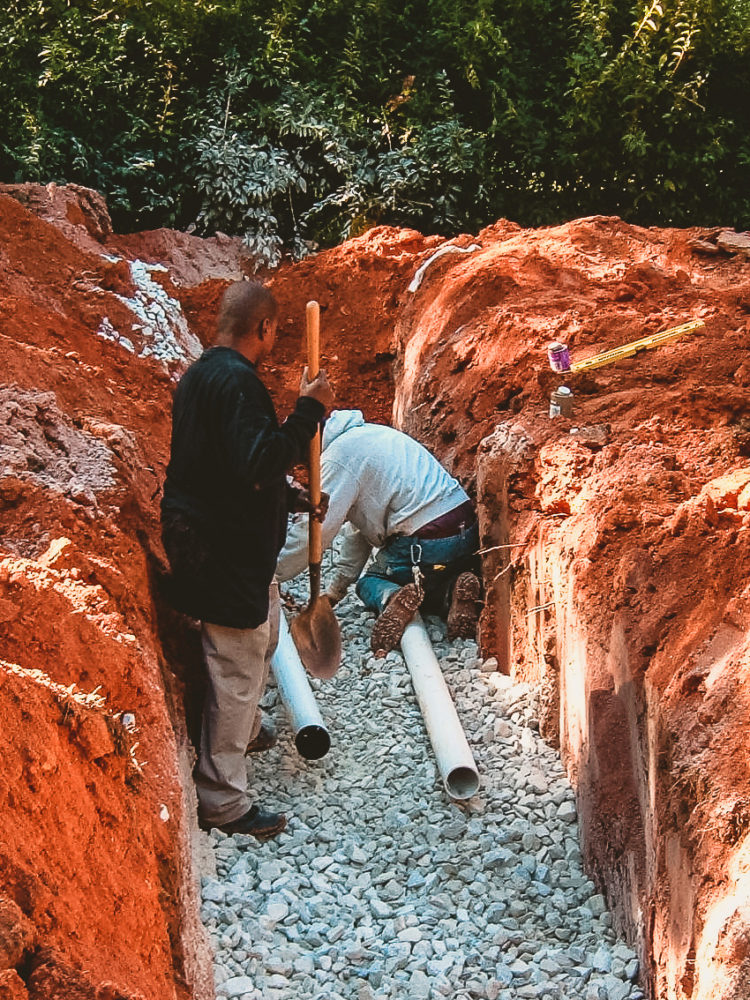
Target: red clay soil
[95, 820]
[93, 837]
[630, 544]
[358, 287]
[622, 585]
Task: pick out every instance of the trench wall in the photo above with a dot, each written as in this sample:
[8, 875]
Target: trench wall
[654, 790]
[615, 549]
[99, 894]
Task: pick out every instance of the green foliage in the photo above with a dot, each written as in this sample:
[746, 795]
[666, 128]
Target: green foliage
[656, 142]
[243, 186]
[297, 123]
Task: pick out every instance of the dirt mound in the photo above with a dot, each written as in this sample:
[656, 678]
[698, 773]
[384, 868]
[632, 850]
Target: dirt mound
[618, 547]
[78, 212]
[360, 288]
[96, 329]
[94, 835]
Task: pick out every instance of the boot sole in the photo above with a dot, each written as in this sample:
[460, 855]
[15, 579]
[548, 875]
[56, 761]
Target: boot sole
[260, 833]
[389, 628]
[268, 833]
[464, 610]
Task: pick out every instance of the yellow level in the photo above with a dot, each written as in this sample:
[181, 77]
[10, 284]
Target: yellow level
[628, 350]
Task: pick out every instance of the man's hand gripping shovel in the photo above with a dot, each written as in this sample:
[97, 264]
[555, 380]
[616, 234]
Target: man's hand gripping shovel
[315, 630]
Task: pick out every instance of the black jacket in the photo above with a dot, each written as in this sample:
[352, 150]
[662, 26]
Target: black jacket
[225, 504]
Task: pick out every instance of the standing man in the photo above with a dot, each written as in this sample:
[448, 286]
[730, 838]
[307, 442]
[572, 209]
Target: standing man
[388, 492]
[224, 515]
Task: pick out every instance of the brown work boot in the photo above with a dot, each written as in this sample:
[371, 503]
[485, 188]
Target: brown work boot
[399, 611]
[265, 739]
[256, 822]
[463, 614]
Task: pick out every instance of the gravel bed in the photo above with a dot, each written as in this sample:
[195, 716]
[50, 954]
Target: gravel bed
[383, 887]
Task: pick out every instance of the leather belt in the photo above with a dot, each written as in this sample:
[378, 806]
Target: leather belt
[449, 524]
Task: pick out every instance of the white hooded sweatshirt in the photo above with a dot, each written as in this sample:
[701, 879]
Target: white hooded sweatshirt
[381, 482]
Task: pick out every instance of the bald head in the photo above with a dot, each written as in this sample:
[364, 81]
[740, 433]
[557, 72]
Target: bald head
[247, 308]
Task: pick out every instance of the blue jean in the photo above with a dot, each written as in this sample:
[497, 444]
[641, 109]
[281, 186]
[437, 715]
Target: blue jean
[440, 561]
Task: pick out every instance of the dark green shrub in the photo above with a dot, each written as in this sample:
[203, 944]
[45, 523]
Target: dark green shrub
[299, 123]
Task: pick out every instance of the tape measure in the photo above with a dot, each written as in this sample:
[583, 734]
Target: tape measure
[628, 350]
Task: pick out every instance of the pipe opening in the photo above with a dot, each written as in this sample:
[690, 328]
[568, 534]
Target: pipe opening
[462, 783]
[312, 742]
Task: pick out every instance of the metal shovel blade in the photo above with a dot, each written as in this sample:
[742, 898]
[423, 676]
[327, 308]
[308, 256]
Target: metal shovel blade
[317, 637]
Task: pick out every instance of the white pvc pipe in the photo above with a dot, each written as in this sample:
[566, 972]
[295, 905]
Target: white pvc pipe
[454, 758]
[416, 281]
[310, 734]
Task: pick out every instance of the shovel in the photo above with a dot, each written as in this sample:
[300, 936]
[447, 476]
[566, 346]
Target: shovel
[315, 630]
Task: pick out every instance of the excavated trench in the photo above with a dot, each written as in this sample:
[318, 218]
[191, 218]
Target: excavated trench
[381, 886]
[616, 549]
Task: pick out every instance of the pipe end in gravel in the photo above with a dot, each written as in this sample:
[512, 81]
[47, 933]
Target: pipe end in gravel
[461, 783]
[312, 742]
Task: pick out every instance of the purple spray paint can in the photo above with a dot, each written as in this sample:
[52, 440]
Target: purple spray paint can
[559, 357]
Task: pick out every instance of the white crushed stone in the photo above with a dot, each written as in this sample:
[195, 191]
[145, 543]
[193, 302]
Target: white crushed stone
[381, 886]
[161, 324]
[107, 332]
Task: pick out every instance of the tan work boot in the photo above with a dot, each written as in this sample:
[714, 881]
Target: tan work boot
[463, 614]
[399, 611]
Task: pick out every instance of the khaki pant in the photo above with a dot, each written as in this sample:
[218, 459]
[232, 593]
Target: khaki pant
[237, 663]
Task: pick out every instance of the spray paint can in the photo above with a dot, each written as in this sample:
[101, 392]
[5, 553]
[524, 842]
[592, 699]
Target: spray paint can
[561, 402]
[559, 357]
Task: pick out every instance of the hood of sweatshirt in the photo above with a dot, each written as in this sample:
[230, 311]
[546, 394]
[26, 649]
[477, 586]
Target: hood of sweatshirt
[340, 421]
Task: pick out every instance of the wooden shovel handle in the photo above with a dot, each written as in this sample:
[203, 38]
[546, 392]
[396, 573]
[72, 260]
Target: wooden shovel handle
[313, 339]
[315, 530]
